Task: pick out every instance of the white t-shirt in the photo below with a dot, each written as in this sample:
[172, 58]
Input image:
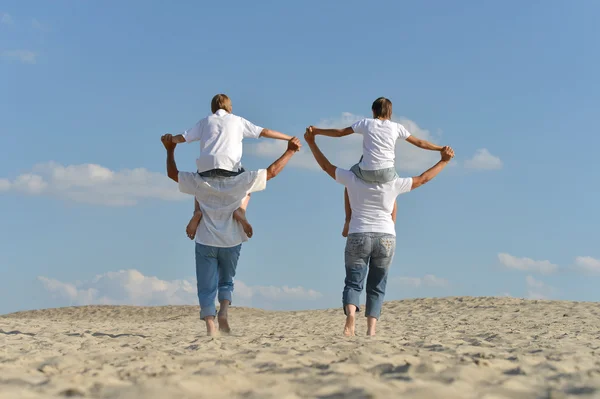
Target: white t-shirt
[379, 142]
[220, 136]
[372, 204]
[219, 197]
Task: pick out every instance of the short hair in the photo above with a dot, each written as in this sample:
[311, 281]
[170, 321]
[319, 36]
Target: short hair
[382, 108]
[220, 101]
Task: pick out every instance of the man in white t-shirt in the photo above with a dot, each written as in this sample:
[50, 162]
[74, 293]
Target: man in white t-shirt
[371, 238]
[380, 134]
[218, 237]
[220, 136]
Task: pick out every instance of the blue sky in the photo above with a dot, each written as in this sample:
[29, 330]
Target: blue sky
[87, 88]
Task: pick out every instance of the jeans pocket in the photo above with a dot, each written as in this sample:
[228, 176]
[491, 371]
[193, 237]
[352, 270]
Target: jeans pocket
[387, 246]
[355, 245]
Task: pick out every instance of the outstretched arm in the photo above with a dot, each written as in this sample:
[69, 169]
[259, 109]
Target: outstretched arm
[172, 171]
[277, 166]
[424, 144]
[274, 134]
[332, 132]
[429, 174]
[319, 157]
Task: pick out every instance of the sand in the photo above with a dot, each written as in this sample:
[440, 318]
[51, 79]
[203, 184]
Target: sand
[425, 348]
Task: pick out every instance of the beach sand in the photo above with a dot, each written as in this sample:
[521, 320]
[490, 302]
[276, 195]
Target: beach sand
[425, 348]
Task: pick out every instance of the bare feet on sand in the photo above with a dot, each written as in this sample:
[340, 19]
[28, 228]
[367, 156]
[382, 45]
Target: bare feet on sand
[223, 322]
[349, 327]
[346, 229]
[211, 328]
[371, 323]
[192, 226]
[240, 215]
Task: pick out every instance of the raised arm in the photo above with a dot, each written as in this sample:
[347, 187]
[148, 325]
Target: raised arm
[429, 174]
[424, 144]
[331, 132]
[321, 159]
[178, 139]
[277, 166]
[170, 145]
[274, 134]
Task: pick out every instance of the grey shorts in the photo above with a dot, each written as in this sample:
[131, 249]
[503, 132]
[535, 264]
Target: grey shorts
[379, 176]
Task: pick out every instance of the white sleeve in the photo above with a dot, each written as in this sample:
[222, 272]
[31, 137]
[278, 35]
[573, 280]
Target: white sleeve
[251, 131]
[359, 127]
[403, 185]
[259, 181]
[187, 183]
[343, 176]
[402, 132]
[194, 133]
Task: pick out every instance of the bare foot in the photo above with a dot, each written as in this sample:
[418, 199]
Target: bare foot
[223, 322]
[240, 215]
[371, 323]
[349, 327]
[211, 329]
[346, 229]
[192, 226]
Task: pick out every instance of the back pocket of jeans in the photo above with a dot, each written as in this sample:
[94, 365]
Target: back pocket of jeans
[355, 245]
[387, 245]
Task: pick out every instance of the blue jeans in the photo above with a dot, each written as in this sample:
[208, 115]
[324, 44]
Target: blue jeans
[368, 255]
[215, 270]
[379, 176]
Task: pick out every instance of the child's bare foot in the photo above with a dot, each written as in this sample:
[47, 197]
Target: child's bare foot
[192, 226]
[346, 229]
[240, 215]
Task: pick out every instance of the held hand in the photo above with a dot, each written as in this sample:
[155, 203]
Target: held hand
[167, 141]
[447, 153]
[294, 144]
[309, 135]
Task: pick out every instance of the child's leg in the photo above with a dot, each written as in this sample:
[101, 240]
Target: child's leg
[348, 211]
[192, 226]
[240, 215]
[394, 212]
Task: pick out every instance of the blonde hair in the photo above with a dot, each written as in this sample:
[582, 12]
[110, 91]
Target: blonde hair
[220, 101]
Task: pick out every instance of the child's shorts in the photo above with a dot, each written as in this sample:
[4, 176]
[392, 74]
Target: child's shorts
[379, 176]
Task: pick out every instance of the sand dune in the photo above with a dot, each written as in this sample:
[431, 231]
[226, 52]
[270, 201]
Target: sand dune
[425, 348]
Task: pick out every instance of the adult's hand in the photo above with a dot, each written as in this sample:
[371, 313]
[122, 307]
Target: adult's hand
[447, 154]
[309, 135]
[294, 144]
[167, 140]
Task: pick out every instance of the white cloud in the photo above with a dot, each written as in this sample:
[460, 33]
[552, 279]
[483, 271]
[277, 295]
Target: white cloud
[538, 289]
[527, 264]
[131, 287]
[6, 19]
[346, 151]
[24, 56]
[429, 280]
[94, 184]
[4, 185]
[484, 160]
[588, 264]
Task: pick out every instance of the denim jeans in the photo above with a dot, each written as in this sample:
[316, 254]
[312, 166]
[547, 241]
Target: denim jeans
[368, 255]
[379, 176]
[215, 270]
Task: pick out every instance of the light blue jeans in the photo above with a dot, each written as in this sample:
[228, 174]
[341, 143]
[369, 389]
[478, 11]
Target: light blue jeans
[215, 270]
[368, 255]
[374, 176]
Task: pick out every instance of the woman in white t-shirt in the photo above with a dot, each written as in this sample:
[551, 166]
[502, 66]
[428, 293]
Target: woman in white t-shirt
[371, 240]
[380, 133]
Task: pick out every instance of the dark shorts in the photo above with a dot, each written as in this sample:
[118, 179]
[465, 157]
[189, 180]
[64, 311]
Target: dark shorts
[221, 173]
